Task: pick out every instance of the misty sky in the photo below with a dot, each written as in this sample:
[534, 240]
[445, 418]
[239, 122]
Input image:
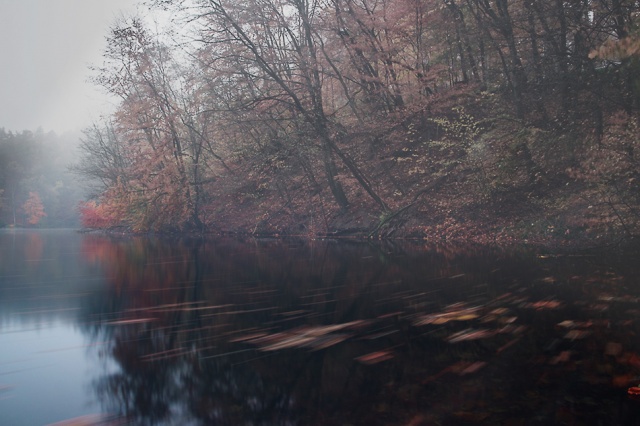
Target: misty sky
[46, 47]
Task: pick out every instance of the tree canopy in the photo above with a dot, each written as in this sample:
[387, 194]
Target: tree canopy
[368, 116]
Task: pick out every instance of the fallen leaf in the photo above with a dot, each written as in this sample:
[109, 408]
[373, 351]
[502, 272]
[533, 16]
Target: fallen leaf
[131, 321]
[563, 356]
[248, 337]
[576, 334]
[545, 304]
[470, 334]
[567, 324]
[508, 345]
[473, 368]
[375, 357]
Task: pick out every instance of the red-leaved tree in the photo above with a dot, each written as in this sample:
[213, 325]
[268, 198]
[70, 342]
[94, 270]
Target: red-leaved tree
[33, 209]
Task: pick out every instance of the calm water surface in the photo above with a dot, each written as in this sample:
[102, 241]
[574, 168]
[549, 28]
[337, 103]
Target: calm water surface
[187, 332]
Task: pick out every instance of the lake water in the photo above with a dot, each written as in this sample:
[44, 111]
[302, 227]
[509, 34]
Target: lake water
[133, 330]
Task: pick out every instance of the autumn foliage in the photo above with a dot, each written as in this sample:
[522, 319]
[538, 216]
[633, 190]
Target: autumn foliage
[33, 209]
[93, 215]
[34, 179]
[427, 119]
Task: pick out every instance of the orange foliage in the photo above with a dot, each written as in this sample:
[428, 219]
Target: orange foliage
[33, 208]
[93, 215]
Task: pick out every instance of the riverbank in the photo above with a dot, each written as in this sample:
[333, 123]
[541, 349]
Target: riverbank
[565, 216]
[544, 222]
[445, 174]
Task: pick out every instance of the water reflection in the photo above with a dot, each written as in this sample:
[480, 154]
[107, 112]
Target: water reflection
[43, 277]
[158, 331]
[46, 365]
[284, 332]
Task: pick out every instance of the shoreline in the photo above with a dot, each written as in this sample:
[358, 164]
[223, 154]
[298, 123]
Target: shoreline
[502, 238]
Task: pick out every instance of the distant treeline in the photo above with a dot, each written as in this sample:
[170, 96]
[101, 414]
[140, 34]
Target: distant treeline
[36, 188]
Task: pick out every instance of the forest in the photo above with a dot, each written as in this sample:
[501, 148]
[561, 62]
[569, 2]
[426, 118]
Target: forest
[475, 120]
[36, 189]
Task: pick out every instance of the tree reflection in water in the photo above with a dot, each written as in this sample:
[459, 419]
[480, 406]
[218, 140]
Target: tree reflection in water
[285, 332]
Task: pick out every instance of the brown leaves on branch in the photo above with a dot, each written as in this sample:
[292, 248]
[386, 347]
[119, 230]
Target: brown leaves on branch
[617, 49]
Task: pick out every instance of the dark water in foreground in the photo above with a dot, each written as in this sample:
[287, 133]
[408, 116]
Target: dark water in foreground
[189, 332]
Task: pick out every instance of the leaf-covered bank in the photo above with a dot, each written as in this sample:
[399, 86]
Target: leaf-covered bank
[516, 183]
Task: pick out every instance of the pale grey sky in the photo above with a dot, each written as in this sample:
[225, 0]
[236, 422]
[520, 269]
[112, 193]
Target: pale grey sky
[46, 47]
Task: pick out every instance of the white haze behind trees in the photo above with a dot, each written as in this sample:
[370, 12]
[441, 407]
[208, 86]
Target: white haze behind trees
[47, 48]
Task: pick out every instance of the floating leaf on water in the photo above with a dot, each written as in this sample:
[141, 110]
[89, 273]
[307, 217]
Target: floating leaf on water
[321, 330]
[508, 320]
[439, 374]
[576, 334]
[598, 307]
[391, 315]
[489, 318]
[512, 329]
[379, 335]
[567, 324]
[327, 341]
[375, 357]
[437, 320]
[453, 313]
[288, 341]
[504, 296]
[508, 345]
[317, 337]
[457, 368]
[474, 367]
[634, 391]
[563, 356]
[470, 334]
[131, 321]
[545, 304]
[453, 277]
[465, 317]
[624, 299]
[248, 337]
